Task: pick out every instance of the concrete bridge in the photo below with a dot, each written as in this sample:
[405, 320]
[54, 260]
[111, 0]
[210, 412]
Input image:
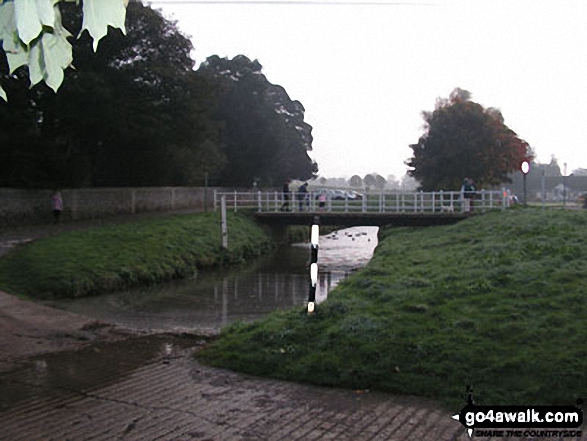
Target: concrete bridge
[372, 209]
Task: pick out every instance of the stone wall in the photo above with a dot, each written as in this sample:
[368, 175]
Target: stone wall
[34, 206]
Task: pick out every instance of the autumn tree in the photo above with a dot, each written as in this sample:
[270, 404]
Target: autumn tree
[463, 139]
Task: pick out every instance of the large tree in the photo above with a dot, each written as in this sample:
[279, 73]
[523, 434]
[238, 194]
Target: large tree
[264, 136]
[463, 139]
[134, 113]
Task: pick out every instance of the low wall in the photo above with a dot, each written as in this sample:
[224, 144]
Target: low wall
[34, 206]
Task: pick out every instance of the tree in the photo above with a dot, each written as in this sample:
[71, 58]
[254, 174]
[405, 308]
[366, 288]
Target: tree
[32, 35]
[369, 181]
[380, 182]
[133, 113]
[264, 135]
[356, 181]
[462, 139]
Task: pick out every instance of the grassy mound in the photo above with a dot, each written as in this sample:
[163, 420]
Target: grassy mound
[107, 258]
[496, 301]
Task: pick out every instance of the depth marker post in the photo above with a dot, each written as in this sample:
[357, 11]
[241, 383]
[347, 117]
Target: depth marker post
[314, 237]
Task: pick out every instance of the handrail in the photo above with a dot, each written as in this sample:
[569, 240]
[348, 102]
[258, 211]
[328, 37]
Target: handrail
[383, 202]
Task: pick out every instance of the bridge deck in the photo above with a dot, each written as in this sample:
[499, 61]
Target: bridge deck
[360, 218]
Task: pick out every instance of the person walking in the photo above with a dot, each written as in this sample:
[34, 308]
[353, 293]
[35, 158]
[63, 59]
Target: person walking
[302, 195]
[56, 205]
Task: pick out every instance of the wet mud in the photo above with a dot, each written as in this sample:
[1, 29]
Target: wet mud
[80, 372]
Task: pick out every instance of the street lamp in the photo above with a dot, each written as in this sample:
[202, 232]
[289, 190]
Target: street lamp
[525, 169]
[565, 185]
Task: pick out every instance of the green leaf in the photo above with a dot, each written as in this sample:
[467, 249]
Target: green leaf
[98, 14]
[31, 16]
[16, 52]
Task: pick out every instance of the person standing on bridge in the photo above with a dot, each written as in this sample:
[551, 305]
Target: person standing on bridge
[468, 191]
[285, 205]
[302, 194]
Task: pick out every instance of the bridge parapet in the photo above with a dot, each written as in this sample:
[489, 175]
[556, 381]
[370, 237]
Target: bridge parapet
[382, 202]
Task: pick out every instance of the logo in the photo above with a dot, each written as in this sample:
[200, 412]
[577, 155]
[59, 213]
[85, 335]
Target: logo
[476, 418]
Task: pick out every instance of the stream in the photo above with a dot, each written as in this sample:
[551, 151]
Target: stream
[215, 298]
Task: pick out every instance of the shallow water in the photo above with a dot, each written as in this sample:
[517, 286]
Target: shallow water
[215, 298]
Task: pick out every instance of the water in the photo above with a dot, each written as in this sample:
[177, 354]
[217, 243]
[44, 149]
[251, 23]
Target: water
[215, 298]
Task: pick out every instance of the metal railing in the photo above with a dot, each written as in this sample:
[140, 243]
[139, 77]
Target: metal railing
[382, 202]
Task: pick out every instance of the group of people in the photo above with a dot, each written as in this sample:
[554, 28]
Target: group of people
[302, 196]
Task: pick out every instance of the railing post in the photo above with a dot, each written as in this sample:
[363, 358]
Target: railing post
[452, 199]
[276, 203]
[259, 201]
[223, 224]
[397, 202]
[504, 195]
[441, 197]
[365, 200]
[215, 204]
[235, 200]
[433, 202]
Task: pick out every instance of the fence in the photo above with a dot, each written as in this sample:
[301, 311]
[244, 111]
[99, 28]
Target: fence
[398, 202]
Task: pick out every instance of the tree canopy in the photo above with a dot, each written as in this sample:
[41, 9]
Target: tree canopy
[463, 139]
[133, 113]
[264, 136]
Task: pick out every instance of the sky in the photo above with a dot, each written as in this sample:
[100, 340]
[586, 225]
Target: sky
[365, 71]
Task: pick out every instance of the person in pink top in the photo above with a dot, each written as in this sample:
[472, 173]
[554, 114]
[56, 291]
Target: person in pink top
[56, 205]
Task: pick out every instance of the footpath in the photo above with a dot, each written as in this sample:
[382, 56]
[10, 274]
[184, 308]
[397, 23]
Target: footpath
[67, 377]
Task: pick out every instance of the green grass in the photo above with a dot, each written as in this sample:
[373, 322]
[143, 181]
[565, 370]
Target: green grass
[496, 301]
[108, 258]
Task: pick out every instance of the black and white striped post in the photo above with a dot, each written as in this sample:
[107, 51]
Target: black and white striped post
[314, 237]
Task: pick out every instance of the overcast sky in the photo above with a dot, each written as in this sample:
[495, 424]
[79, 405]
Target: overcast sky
[365, 72]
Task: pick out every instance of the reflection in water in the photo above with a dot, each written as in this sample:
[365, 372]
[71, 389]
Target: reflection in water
[217, 298]
[67, 373]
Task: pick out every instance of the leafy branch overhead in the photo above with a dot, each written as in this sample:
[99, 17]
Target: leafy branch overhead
[32, 34]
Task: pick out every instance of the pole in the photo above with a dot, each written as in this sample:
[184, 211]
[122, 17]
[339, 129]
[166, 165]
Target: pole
[565, 185]
[206, 191]
[543, 189]
[224, 226]
[314, 238]
[525, 204]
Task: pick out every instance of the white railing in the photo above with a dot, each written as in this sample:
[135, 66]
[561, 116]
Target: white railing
[388, 202]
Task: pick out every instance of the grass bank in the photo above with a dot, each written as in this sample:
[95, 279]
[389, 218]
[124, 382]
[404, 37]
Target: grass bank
[496, 301]
[112, 257]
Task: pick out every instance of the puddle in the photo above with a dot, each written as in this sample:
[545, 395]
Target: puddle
[83, 371]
